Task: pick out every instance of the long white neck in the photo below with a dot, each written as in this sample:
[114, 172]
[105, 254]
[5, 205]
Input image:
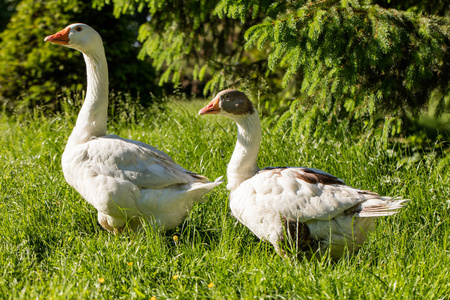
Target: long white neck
[92, 118]
[243, 162]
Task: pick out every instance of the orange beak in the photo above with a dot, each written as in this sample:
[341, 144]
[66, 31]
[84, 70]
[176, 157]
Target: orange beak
[212, 108]
[61, 37]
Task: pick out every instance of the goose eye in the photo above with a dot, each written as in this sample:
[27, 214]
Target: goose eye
[78, 29]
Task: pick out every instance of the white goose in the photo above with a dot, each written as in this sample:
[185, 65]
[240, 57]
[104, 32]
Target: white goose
[123, 179]
[305, 209]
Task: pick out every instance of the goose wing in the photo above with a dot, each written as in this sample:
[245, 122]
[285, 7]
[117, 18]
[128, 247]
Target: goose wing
[137, 162]
[301, 193]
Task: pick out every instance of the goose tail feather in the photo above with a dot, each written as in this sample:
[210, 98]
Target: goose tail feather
[384, 206]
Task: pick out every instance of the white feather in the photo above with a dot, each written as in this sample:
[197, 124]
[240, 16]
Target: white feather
[124, 180]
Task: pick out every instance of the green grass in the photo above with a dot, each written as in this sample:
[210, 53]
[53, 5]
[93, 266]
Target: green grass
[53, 248]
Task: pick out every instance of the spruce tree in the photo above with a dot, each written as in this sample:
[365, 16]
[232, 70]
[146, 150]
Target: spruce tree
[188, 41]
[337, 60]
[354, 58]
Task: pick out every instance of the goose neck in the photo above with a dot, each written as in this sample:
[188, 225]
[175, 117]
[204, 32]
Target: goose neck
[91, 121]
[243, 164]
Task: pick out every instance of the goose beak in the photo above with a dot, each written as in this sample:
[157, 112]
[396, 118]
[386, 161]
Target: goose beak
[61, 37]
[212, 108]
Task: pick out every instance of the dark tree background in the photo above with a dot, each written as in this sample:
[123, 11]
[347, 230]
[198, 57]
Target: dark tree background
[34, 73]
[355, 64]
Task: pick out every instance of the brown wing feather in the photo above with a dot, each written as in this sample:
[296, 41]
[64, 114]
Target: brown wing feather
[307, 175]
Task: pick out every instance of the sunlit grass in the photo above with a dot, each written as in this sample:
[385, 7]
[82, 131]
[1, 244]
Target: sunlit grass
[52, 246]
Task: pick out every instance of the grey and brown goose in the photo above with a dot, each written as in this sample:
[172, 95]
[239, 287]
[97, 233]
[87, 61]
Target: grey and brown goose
[306, 209]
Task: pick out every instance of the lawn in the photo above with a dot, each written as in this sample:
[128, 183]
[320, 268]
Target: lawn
[53, 248]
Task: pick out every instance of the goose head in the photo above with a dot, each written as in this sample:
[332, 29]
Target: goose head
[229, 103]
[78, 36]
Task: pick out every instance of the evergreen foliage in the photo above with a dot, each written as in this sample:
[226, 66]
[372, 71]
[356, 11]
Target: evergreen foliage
[357, 59]
[34, 73]
[338, 60]
[191, 43]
